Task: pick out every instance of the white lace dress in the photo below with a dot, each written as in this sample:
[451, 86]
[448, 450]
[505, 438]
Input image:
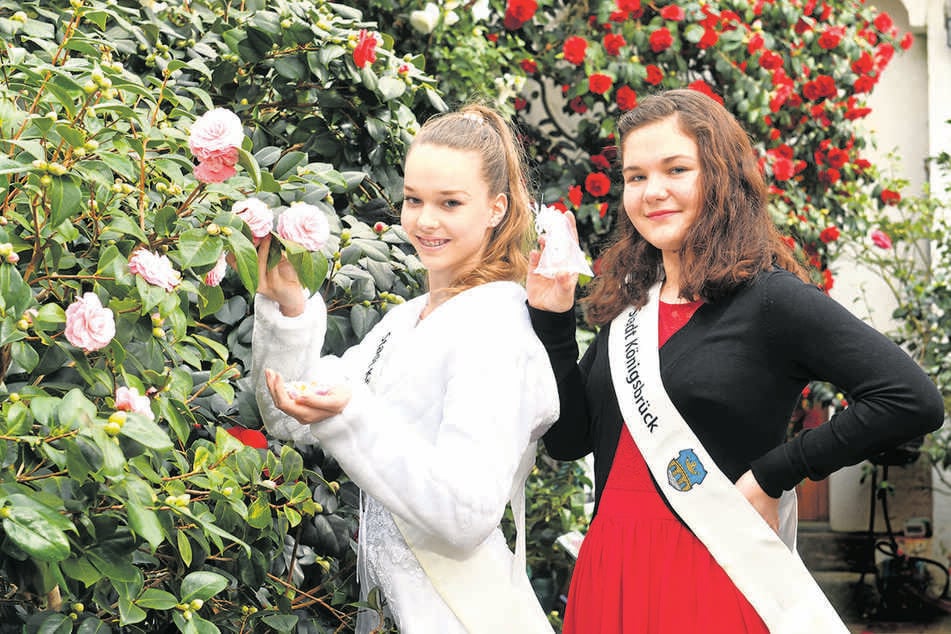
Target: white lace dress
[443, 415]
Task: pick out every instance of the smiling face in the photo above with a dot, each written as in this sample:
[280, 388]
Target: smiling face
[661, 169]
[448, 211]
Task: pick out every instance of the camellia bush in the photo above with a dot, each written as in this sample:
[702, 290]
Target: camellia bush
[795, 72]
[146, 148]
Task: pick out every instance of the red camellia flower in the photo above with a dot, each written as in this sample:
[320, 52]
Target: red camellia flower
[672, 12]
[865, 83]
[881, 239]
[600, 160]
[574, 49]
[575, 194]
[790, 242]
[883, 22]
[709, 38]
[518, 12]
[626, 98]
[829, 234]
[660, 40]
[603, 210]
[770, 60]
[599, 83]
[629, 6]
[831, 37]
[597, 184]
[783, 169]
[907, 41]
[702, 86]
[365, 51]
[654, 75]
[530, 66]
[827, 280]
[249, 437]
[578, 105]
[837, 157]
[890, 197]
[520, 104]
[863, 64]
[613, 43]
[756, 43]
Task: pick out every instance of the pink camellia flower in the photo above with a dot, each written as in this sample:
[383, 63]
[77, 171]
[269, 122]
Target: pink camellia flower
[257, 214]
[128, 399]
[214, 140]
[304, 224]
[89, 325]
[157, 270]
[881, 239]
[215, 135]
[217, 273]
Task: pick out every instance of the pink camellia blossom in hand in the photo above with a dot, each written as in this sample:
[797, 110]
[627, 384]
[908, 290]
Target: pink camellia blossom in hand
[157, 270]
[881, 239]
[304, 224]
[217, 273]
[128, 399]
[257, 215]
[89, 325]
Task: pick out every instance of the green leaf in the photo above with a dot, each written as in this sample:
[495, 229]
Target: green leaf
[29, 530]
[363, 318]
[92, 625]
[155, 599]
[259, 513]
[146, 432]
[391, 87]
[184, 548]
[281, 622]
[196, 247]
[246, 260]
[202, 585]
[144, 521]
[81, 570]
[248, 162]
[290, 161]
[24, 355]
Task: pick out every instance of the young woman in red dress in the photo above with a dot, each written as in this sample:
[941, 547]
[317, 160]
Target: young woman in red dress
[740, 333]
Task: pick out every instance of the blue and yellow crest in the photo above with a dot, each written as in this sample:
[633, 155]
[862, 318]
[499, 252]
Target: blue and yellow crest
[685, 471]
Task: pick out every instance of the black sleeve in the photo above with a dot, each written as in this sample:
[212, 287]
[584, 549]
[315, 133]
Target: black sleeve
[891, 399]
[570, 437]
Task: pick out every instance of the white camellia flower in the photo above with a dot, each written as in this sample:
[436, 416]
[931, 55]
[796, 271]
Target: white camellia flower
[481, 11]
[425, 20]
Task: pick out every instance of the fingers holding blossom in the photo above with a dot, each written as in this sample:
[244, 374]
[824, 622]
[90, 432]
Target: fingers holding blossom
[307, 403]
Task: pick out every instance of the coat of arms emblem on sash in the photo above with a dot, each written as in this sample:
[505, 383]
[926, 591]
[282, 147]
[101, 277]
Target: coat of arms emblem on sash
[685, 471]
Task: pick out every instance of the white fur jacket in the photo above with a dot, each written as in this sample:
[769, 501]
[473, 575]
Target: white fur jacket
[440, 433]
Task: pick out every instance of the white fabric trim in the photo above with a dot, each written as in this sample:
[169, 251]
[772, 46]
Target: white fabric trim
[773, 578]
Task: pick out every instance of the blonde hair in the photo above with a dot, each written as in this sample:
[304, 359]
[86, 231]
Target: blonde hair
[478, 128]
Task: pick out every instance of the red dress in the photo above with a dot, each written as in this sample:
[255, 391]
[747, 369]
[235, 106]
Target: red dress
[640, 569]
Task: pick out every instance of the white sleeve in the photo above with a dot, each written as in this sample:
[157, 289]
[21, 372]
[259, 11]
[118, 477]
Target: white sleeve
[453, 488]
[290, 345]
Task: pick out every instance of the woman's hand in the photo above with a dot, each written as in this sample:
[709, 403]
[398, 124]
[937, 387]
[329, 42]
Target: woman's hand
[555, 294]
[766, 506]
[280, 283]
[310, 407]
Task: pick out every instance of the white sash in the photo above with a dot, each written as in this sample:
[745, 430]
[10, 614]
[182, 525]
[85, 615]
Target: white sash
[772, 578]
[486, 595]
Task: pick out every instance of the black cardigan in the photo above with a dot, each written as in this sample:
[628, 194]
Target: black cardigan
[736, 370]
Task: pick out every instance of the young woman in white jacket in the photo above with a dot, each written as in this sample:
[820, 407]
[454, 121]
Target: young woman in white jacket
[435, 414]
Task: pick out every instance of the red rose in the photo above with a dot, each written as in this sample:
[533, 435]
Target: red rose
[829, 234]
[613, 43]
[654, 75]
[575, 194]
[890, 197]
[672, 12]
[626, 98]
[599, 83]
[660, 40]
[574, 49]
[365, 51]
[597, 184]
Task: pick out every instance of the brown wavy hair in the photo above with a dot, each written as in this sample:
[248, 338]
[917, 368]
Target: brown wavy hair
[733, 238]
[481, 129]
